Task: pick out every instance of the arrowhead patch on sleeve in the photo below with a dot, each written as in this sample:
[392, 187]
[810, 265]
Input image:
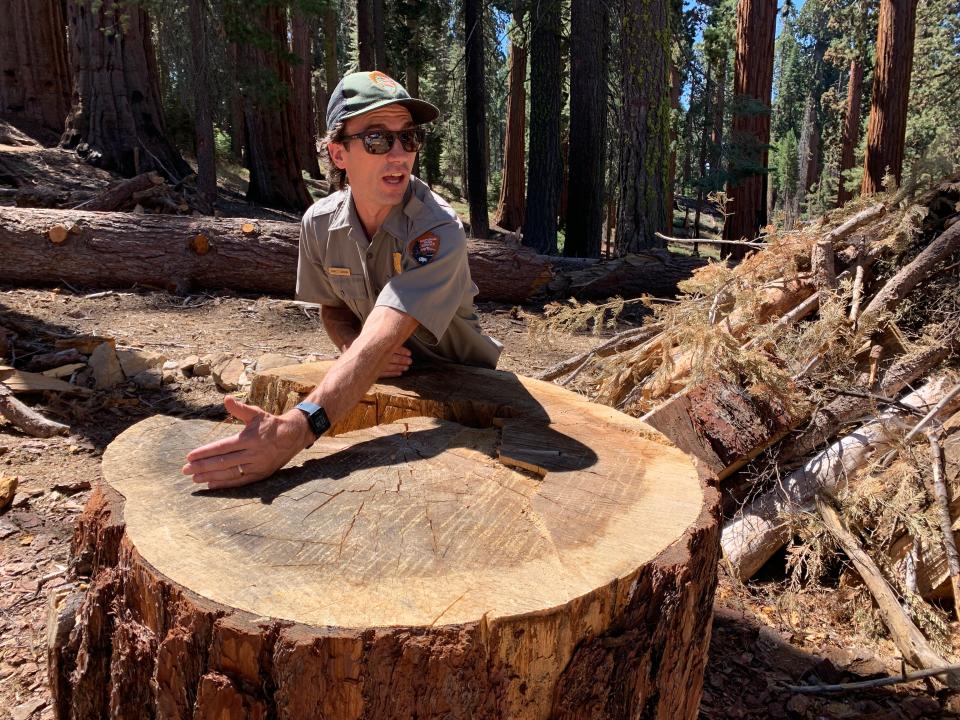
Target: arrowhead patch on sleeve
[423, 248]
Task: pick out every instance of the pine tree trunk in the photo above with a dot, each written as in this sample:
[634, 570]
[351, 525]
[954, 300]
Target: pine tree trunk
[708, 106]
[719, 108]
[589, 42]
[237, 130]
[412, 71]
[750, 130]
[512, 205]
[331, 74]
[302, 31]
[476, 124]
[116, 121]
[645, 125]
[887, 127]
[675, 88]
[546, 166]
[203, 120]
[851, 126]
[366, 36]
[379, 38]
[34, 71]
[272, 152]
[807, 131]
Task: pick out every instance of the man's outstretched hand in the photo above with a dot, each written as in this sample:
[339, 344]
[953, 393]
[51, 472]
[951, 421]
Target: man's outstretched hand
[266, 443]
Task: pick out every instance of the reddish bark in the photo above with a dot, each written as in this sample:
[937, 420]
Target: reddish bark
[117, 119]
[304, 124]
[203, 118]
[851, 126]
[887, 127]
[509, 213]
[753, 82]
[272, 152]
[34, 72]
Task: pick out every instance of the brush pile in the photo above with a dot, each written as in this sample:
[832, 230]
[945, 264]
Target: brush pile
[819, 374]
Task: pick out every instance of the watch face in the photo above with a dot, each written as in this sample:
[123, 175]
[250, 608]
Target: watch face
[319, 422]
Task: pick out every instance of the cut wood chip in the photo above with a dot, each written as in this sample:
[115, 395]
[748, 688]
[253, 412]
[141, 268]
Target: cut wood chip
[24, 382]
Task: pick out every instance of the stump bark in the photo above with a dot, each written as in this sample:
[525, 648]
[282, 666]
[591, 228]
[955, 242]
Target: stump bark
[468, 544]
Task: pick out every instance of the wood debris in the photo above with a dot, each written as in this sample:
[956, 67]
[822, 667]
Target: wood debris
[842, 335]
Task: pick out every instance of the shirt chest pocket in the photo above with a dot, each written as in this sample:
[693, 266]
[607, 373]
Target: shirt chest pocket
[349, 287]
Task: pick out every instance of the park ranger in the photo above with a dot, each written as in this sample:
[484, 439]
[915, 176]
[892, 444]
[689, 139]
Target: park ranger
[386, 259]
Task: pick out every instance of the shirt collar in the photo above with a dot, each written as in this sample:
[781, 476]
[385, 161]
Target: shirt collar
[342, 215]
[409, 207]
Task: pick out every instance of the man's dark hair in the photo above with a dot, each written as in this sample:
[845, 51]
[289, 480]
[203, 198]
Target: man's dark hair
[336, 176]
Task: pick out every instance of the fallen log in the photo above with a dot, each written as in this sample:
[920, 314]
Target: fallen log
[827, 421]
[763, 526]
[182, 254]
[911, 275]
[942, 497]
[119, 193]
[26, 419]
[654, 272]
[905, 634]
[470, 544]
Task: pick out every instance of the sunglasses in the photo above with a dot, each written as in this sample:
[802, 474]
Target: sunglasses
[379, 142]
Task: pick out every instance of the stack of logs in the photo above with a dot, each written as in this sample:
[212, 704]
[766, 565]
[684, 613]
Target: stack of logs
[740, 377]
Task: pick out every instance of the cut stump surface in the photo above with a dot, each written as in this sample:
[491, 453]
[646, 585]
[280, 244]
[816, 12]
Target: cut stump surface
[468, 544]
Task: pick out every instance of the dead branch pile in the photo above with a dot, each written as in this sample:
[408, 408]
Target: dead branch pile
[824, 365]
[143, 194]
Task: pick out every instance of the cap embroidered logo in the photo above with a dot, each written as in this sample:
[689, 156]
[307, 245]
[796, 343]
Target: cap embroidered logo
[384, 81]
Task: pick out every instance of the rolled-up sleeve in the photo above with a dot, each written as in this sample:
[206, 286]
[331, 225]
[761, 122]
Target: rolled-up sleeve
[313, 285]
[431, 293]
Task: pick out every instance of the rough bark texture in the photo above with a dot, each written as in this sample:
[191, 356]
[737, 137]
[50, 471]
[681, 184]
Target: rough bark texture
[887, 126]
[203, 118]
[645, 124]
[750, 130]
[851, 126]
[272, 152]
[116, 121]
[120, 249]
[305, 126]
[589, 41]
[34, 72]
[476, 125]
[654, 272]
[365, 36]
[632, 647]
[546, 166]
[512, 205]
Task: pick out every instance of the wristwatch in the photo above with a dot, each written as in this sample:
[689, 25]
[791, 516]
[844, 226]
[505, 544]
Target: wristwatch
[316, 418]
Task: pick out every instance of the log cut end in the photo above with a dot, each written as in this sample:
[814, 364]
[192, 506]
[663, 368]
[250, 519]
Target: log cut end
[469, 544]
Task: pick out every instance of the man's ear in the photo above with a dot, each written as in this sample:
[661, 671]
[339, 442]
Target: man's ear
[336, 155]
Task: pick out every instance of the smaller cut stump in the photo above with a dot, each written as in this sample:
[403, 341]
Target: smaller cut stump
[469, 544]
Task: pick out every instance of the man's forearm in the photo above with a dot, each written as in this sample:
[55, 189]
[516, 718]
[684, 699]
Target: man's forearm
[341, 324]
[362, 362]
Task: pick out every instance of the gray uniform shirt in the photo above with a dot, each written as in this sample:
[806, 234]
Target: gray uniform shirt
[416, 263]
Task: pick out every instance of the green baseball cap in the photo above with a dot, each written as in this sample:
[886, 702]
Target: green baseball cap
[361, 92]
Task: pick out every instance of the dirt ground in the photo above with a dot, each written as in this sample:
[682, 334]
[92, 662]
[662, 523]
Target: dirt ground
[763, 639]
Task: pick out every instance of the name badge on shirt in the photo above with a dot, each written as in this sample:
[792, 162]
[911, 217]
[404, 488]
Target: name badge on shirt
[338, 272]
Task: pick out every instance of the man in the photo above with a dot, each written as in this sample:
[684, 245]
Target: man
[385, 258]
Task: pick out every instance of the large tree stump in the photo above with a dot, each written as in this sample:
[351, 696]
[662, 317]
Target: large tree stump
[470, 544]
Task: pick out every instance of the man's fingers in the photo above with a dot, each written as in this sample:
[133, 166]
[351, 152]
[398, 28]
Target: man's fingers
[403, 351]
[223, 446]
[241, 411]
[231, 477]
[212, 463]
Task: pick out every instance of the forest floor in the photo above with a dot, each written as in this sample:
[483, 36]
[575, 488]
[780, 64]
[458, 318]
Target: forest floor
[765, 637]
